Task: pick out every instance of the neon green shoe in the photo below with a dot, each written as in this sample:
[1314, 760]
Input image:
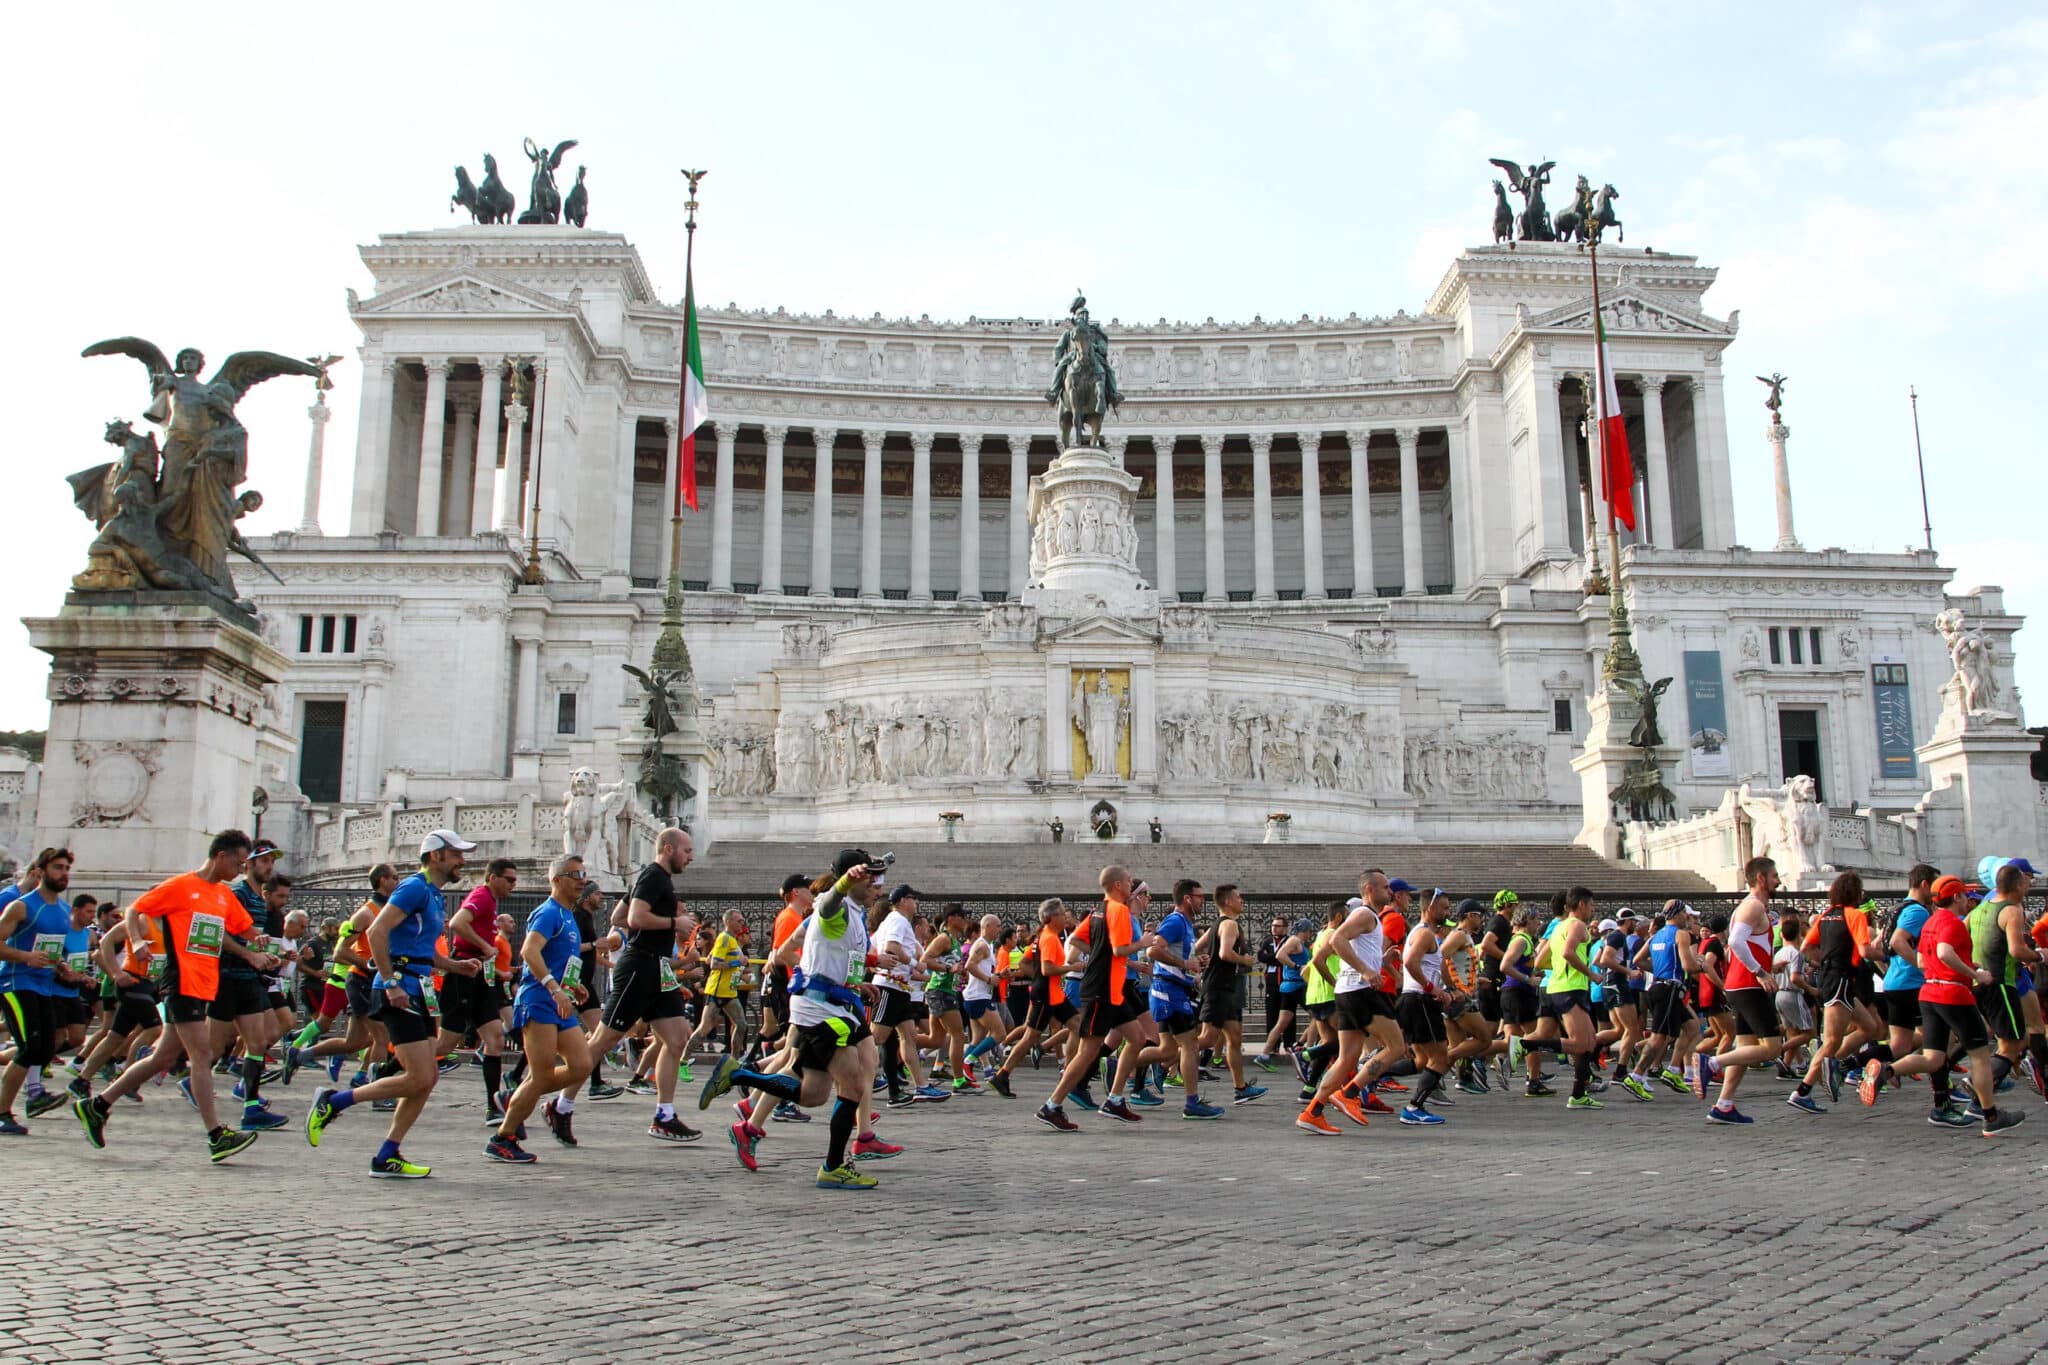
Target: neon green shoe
[845, 1178]
[683, 1074]
[1583, 1102]
[1635, 1087]
[398, 1168]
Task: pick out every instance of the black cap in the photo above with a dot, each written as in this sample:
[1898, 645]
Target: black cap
[905, 890]
[793, 881]
[848, 860]
[1471, 905]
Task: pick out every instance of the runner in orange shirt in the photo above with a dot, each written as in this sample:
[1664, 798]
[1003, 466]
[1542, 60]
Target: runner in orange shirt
[1048, 1007]
[202, 918]
[1110, 1003]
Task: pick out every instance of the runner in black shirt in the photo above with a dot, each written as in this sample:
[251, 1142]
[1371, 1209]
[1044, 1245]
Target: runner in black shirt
[644, 984]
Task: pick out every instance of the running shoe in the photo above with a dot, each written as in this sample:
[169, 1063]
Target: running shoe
[1392, 1086]
[684, 1074]
[1001, 1085]
[1302, 1064]
[1506, 1073]
[1583, 1102]
[1353, 1110]
[509, 1151]
[1174, 1081]
[1728, 1115]
[903, 1101]
[261, 1120]
[92, 1116]
[449, 1063]
[1834, 1074]
[1084, 1101]
[1264, 1061]
[1310, 1121]
[42, 1104]
[562, 1125]
[383, 1106]
[292, 1056]
[1308, 1092]
[398, 1168]
[334, 1068]
[1973, 1111]
[788, 1112]
[966, 1085]
[359, 1080]
[1537, 1089]
[227, 1143]
[1948, 1116]
[1873, 1081]
[672, 1130]
[1805, 1104]
[1146, 1099]
[719, 1082]
[931, 1094]
[1439, 1097]
[845, 1178]
[319, 1116]
[1055, 1118]
[185, 1089]
[1469, 1085]
[744, 1135]
[1196, 1109]
[1700, 1080]
[639, 1086]
[1419, 1117]
[2039, 1074]
[1373, 1104]
[2004, 1119]
[1245, 1094]
[12, 1127]
[2006, 1086]
[1118, 1108]
[1673, 1081]
[1635, 1087]
[607, 1091]
[872, 1148]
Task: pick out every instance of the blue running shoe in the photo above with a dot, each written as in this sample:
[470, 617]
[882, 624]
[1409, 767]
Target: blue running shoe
[185, 1089]
[1420, 1117]
[1196, 1109]
[931, 1094]
[1805, 1104]
[1247, 1093]
[1146, 1099]
[1083, 1101]
[334, 1068]
[261, 1120]
[1730, 1115]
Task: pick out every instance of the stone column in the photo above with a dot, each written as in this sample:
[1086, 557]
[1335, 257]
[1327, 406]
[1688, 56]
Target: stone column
[309, 517]
[1363, 580]
[1557, 477]
[1412, 584]
[1657, 469]
[493, 367]
[1262, 518]
[1468, 522]
[871, 517]
[970, 518]
[373, 446]
[427, 521]
[463, 491]
[1020, 520]
[527, 693]
[771, 511]
[666, 507]
[1710, 441]
[509, 486]
[1312, 517]
[921, 516]
[1163, 568]
[1781, 477]
[1214, 588]
[721, 510]
[821, 513]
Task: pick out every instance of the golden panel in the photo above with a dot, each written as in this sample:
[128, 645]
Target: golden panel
[1087, 682]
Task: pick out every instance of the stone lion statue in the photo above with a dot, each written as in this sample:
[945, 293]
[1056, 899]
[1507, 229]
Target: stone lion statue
[1791, 831]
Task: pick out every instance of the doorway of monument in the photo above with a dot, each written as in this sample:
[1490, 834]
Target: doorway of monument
[1799, 746]
[322, 726]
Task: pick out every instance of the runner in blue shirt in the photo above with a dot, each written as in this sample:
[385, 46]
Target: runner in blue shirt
[545, 1013]
[33, 928]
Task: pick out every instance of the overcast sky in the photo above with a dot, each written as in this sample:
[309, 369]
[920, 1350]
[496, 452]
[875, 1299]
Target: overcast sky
[1866, 181]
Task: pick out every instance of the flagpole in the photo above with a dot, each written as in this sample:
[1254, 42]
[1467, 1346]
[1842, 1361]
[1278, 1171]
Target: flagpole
[532, 574]
[670, 652]
[1926, 518]
[1622, 660]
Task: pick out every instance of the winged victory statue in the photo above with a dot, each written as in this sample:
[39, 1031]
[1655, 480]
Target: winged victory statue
[166, 516]
[1529, 184]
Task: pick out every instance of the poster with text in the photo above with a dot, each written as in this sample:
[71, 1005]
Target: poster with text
[1706, 715]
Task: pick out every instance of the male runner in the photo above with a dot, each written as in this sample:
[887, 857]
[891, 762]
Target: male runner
[469, 1003]
[1902, 975]
[896, 952]
[545, 1015]
[1048, 1008]
[203, 920]
[1999, 942]
[1107, 1009]
[1419, 1010]
[1669, 1024]
[1222, 1010]
[243, 1006]
[1363, 1009]
[1567, 989]
[1172, 998]
[1950, 1016]
[1759, 1037]
[34, 929]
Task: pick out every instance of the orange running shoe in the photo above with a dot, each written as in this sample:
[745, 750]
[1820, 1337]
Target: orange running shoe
[1353, 1110]
[1316, 1123]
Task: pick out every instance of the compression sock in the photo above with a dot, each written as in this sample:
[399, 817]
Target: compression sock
[494, 1078]
[784, 1088]
[252, 1078]
[2001, 1067]
[1582, 1072]
[387, 1150]
[307, 1034]
[845, 1118]
[1405, 1067]
[1426, 1086]
[341, 1099]
[518, 1072]
[892, 1071]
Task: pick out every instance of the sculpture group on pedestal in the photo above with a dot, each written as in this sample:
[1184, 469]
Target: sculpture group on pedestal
[1587, 219]
[491, 202]
[1083, 381]
[590, 824]
[1971, 693]
[166, 518]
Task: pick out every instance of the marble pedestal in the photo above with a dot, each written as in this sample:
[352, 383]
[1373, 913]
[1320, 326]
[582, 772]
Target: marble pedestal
[1985, 758]
[157, 707]
[1603, 761]
[1084, 541]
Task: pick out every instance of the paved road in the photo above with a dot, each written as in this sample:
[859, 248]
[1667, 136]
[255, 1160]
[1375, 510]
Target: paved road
[1516, 1231]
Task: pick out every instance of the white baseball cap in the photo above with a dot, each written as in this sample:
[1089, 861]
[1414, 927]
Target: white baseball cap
[1608, 926]
[444, 838]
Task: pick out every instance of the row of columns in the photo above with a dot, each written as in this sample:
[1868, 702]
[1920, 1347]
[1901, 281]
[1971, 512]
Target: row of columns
[1408, 439]
[491, 503]
[1655, 470]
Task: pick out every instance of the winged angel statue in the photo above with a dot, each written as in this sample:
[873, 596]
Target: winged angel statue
[166, 517]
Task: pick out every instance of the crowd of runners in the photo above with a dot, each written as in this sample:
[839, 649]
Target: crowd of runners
[871, 1001]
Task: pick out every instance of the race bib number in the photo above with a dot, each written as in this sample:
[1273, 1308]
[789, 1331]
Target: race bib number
[430, 995]
[573, 976]
[491, 973]
[205, 936]
[156, 969]
[49, 945]
[668, 977]
[80, 963]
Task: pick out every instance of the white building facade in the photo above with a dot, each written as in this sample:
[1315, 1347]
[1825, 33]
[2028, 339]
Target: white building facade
[1363, 544]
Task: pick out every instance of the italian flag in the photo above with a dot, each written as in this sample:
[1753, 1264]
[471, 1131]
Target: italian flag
[1618, 470]
[694, 408]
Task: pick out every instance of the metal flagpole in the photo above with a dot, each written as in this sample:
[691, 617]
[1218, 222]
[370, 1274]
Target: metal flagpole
[670, 652]
[1622, 660]
[533, 575]
[1926, 520]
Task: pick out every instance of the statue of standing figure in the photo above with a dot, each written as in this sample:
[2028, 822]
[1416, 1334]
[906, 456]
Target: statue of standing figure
[1102, 716]
[1529, 184]
[544, 201]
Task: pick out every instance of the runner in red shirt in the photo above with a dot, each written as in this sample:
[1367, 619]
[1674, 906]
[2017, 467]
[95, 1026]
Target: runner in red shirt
[1949, 1014]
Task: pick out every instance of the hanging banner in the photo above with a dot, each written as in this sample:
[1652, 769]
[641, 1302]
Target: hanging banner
[1892, 700]
[1706, 715]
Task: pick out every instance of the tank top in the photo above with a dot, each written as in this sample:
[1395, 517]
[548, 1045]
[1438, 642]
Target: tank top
[1432, 967]
[1526, 962]
[1320, 991]
[1371, 948]
[1988, 945]
[1219, 978]
[1665, 963]
[1564, 975]
[982, 955]
[1749, 958]
[1290, 970]
[946, 969]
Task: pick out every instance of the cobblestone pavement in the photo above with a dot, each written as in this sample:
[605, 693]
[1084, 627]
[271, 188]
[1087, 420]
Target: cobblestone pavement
[1517, 1231]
